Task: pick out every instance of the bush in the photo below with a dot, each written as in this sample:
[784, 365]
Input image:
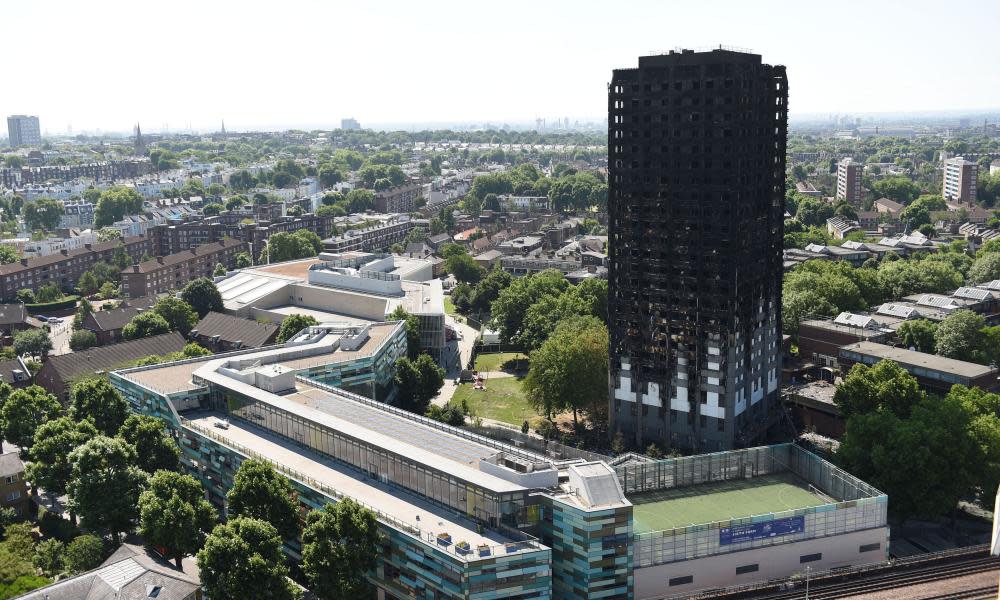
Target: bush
[44, 307]
[53, 526]
[82, 339]
[449, 414]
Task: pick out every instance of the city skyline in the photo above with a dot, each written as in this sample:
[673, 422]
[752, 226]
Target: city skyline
[550, 61]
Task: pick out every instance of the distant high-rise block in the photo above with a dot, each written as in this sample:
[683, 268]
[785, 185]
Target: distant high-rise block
[849, 175]
[696, 148]
[960, 178]
[350, 124]
[23, 131]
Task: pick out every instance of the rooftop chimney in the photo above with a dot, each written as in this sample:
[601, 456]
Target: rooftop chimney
[64, 252]
[135, 268]
[24, 262]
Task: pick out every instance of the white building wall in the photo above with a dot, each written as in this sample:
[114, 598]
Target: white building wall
[782, 560]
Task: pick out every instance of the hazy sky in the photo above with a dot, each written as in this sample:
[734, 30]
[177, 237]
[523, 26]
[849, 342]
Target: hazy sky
[103, 64]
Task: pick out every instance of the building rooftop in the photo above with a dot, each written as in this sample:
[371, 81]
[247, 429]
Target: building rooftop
[918, 359]
[104, 358]
[177, 258]
[172, 378]
[235, 329]
[721, 501]
[10, 464]
[425, 520]
[132, 573]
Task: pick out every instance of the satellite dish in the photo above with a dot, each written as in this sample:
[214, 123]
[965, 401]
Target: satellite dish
[913, 348]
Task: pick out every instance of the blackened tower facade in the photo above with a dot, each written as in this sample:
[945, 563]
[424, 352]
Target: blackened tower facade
[696, 149]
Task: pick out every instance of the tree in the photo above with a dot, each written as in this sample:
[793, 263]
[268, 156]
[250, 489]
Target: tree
[431, 378]
[178, 314]
[210, 210]
[510, 307]
[984, 430]
[84, 553]
[259, 492]
[292, 246]
[107, 291]
[49, 557]
[924, 462]
[237, 201]
[488, 289]
[105, 486]
[986, 267]
[340, 546]
[8, 255]
[813, 212]
[85, 308]
[220, 270]
[900, 189]
[293, 324]
[959, 336]
[81, 340]
[917, 334]
[154, 449]
[174, 514]
[464, 268]
[43, 213]
[412, 325]
[24, 412]
[34, 342]
[115, 204]
[244, 559]
[243, 260]
[50, 468]
[329, 175]
[49, 293]
[96, 399]
[407, 381]
[885, 387]
[25, 296]
[360, 200]
[144, 325]
[568, 371]
[202, 295]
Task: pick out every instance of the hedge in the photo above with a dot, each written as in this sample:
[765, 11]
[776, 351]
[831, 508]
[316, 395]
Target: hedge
[43, 307]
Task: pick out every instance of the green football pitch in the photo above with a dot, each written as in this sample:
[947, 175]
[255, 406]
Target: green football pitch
[720, 501]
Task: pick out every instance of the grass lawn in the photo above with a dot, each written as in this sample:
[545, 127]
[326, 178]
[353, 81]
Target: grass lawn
[494, 361]
[502, 400]
[720, 501]
[449, 307]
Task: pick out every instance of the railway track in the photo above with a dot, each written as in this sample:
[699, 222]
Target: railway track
[893, 579]
[861, 581]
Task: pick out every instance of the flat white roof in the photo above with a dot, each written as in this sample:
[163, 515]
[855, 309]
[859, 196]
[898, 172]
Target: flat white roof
[429, 519]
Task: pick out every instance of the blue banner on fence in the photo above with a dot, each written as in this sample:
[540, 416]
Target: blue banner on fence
[757, 531]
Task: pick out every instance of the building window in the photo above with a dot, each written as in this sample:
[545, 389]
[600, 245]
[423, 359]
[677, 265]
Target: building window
[747, 569]
[807, 558]
[11, 478]
[15, 495]
[869, 547]
[681, 580]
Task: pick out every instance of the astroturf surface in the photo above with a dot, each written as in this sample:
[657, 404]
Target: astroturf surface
[720, 501]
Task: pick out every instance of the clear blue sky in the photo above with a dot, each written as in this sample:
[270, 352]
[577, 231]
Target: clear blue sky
[104, 64]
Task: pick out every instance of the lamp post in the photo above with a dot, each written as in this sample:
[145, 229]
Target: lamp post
[807, 581]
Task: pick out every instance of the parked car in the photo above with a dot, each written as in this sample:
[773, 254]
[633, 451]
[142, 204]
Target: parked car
[55, 320]
[42, 318]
